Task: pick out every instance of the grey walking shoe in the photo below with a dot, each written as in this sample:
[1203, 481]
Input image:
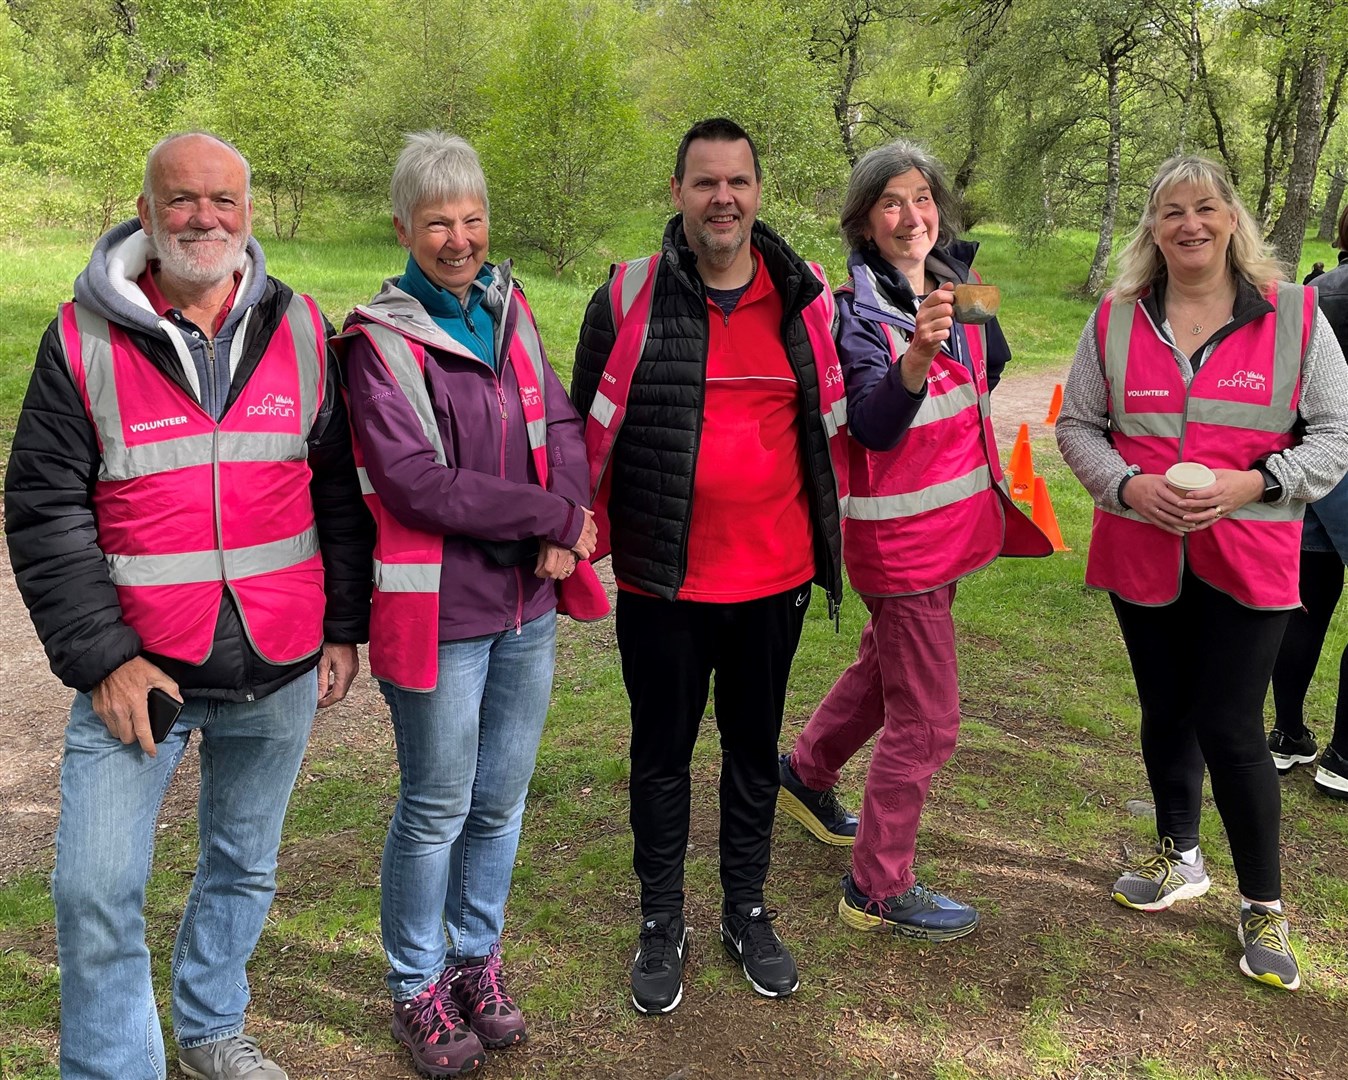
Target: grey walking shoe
[1268, 954]
[228, 1059]
[1161, 879]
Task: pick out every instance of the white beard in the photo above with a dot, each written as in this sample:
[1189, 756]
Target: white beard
[197, 256]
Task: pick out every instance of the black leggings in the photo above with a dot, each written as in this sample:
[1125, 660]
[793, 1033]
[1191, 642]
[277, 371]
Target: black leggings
[1321, 586]
[1202, 666]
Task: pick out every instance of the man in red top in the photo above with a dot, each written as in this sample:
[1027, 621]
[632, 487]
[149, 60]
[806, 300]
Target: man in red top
[723, 508]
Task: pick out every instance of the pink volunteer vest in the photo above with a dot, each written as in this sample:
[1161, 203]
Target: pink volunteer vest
[405, 615]
[1240, 406]
[187, 507]
[933, 509]
[630, 292]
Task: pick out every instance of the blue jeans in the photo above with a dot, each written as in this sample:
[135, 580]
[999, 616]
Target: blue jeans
[110, 798]
[465, 753]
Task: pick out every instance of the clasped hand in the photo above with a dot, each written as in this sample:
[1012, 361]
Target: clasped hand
[1150, 496]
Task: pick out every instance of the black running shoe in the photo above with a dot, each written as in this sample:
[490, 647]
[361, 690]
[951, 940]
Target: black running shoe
[1331, 776]
[819, 811]
[750, 940]
[1289, 752]
[657, 968]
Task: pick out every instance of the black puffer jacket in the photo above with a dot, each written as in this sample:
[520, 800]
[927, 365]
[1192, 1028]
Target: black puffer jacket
[1332, 289]
[653, 460]
[53, 537]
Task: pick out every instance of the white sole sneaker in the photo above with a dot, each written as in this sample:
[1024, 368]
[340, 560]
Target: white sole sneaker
[1188, 891]
[1287, 762]
[1331, 783]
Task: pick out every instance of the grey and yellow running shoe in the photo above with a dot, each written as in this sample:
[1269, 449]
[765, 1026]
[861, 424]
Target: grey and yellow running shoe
[1268, 954]
[1161, 879]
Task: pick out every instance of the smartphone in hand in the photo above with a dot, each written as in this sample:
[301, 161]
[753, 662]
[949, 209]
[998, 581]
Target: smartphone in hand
[164, 712]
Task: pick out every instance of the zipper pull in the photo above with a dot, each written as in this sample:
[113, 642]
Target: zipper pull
[500, 397]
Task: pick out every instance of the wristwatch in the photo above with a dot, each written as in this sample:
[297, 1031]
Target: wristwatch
[1272, 485]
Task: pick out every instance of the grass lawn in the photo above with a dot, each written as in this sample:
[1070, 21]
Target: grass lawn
[1029, 822]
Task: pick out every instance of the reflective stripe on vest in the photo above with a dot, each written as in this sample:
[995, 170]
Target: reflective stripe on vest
[631, 290]
[404, 623]
[1289, 332]
[1240, 406]
[172, 479]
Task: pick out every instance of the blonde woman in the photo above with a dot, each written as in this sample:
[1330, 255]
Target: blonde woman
[1203, 352]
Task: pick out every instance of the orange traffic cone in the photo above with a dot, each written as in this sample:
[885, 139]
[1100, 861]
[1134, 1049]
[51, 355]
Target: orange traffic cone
[1022, 467]
[1054, 405]
[1044, 516]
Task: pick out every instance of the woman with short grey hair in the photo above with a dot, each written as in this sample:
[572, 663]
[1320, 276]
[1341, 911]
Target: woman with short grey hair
[474, 468]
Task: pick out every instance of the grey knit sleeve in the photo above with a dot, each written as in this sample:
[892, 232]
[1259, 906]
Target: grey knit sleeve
[1309, 470]
[1083, 425]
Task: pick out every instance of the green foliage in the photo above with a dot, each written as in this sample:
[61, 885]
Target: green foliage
[423, 69]
[565, 146]
[98, 134]
[749, 60]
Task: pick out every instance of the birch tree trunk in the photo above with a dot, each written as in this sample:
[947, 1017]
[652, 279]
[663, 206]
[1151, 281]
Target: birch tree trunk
[1095, 280]
[1290, 231]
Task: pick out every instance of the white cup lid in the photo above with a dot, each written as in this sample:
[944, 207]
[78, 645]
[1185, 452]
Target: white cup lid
[1189, 476]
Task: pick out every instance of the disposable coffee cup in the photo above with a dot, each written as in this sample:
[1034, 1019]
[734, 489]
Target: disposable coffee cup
[976, 303]
[1186, 476]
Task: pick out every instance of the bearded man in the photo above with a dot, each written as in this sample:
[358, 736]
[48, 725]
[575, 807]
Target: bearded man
[185, 525]
[715, 399]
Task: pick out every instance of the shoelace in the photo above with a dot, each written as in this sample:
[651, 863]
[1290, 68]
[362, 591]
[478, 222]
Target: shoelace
[241, 1055]
[920, 894]
[440, 1023]
[488, 975]
[1160, 867]
[1266, 931]
[657, 943]
[758, 937]
[829, 802]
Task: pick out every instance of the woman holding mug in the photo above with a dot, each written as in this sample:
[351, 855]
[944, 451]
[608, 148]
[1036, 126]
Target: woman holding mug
[1203, 351]
[926, 508]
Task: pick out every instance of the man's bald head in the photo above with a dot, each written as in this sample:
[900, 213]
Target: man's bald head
[183, 141]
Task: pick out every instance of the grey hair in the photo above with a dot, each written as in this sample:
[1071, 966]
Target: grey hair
[873, 172]
[150, 158]
[1141, 264]
[434, 167]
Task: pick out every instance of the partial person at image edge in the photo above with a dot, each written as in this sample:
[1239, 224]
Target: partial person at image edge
[1324, 549]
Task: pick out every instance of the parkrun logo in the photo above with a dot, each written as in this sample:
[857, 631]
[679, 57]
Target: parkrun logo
[529, 397]
[273, 405]
[153, 425]
[1245, 380]
[833, 376]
